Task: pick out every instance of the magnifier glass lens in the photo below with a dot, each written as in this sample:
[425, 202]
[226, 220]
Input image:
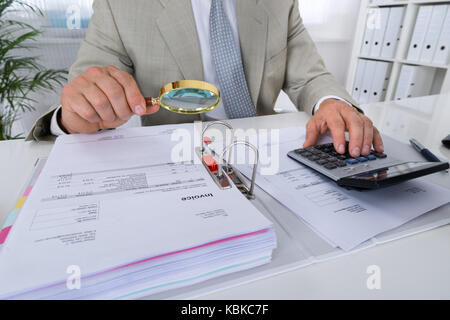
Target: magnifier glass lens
[189, 100]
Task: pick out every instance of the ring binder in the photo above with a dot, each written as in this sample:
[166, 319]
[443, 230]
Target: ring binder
[209, 125]
[220, 170]
[248, 192]
[209, 162]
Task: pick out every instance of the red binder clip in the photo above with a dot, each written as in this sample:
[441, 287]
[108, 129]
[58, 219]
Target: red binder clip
[211, 163]
[207, 140]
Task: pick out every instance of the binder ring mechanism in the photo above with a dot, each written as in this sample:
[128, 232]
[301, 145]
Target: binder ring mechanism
[220, 170]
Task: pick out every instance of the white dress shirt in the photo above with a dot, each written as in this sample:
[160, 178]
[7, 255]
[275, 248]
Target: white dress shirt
[201, 9]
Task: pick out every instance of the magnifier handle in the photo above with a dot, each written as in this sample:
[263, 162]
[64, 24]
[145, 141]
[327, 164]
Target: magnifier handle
[151, 101]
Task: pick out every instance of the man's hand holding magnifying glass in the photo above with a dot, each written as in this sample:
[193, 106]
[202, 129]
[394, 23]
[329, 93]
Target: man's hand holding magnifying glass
[101, 98]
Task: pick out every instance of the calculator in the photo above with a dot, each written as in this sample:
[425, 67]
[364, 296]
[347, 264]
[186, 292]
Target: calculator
[374, 171]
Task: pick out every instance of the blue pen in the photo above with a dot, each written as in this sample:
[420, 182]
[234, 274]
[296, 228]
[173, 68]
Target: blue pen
[424, 151]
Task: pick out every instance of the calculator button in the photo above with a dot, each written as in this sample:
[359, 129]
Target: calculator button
[306, 154]
[352, 161]
[330, 166]
[342, 157]
[380, 155]
[371, 158]
[335, 154]
[322, 162]
[362, 159]
[341, 164]
[313, 158]
[300, 151]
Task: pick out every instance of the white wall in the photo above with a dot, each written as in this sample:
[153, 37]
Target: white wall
[331, 24]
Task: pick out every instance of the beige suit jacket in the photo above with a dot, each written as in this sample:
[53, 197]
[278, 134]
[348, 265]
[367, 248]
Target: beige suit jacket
[156, 41]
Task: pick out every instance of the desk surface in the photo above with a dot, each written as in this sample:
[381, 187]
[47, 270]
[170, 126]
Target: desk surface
[414, 267]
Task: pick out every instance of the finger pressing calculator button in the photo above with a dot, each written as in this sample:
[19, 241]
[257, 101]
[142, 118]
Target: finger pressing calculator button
[334, 154]
[327, 145]
[380, 155]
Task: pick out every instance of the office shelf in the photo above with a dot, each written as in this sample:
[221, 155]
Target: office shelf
[400, 58]
[404, 61]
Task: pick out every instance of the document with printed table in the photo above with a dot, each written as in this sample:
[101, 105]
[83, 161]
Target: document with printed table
[114, 209]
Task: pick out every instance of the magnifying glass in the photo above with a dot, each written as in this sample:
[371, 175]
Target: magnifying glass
[187, 97]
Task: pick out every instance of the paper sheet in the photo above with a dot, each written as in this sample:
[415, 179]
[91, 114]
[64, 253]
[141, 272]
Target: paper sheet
[111, 199]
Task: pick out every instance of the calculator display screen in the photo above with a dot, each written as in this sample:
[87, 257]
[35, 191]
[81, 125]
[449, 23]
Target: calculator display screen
[394, 171]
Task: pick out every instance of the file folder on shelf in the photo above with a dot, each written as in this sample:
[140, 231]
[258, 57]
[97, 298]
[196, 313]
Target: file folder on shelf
[367, 81]
[359, 77]
[442, 54]
[433, 33]
[404, 79]
[420, 30]
[393, 31]
[380, 81]
[414, 81]
[380, 31]
[368, 35]
[422, 82]
[380, 2]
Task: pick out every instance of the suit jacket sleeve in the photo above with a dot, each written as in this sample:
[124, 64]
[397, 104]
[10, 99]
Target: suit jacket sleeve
[307, 80]
[102, 46]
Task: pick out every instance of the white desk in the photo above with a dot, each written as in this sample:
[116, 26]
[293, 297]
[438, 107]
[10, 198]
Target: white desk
[414, 267]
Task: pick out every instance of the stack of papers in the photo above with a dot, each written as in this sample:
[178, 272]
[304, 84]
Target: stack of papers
[112, 217]
[344, 218]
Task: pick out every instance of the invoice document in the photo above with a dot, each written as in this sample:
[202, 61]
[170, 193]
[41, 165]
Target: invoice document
[112, 199]
[344, 218]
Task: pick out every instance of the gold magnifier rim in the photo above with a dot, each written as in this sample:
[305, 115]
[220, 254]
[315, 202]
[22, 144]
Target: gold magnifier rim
[189, 84]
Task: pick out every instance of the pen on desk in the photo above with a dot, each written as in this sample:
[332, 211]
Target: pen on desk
[424, 151]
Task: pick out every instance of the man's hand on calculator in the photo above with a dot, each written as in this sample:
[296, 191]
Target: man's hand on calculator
[338, 117]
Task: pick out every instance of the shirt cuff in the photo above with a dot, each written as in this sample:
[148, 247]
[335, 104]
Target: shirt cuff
[317, 106]
[55, 129]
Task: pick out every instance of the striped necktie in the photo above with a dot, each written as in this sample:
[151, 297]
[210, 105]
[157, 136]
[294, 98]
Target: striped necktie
[228, 62]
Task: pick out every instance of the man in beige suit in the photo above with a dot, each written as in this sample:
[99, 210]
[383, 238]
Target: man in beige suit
[133, 48]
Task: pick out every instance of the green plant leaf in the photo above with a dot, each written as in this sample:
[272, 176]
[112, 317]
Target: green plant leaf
[20, 75]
